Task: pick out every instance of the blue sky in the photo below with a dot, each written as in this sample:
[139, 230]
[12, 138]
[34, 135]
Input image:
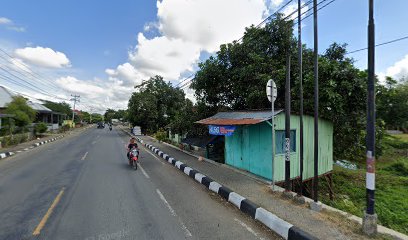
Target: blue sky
[109, 46]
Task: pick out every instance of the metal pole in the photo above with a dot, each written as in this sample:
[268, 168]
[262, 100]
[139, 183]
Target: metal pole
[287, 124]
[316, 105]
[301, 96]
[370, 218]
[273, 140]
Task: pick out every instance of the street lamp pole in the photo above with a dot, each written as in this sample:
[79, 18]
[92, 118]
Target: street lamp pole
[370, 218]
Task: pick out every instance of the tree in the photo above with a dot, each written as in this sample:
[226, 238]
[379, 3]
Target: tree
[23, 114]
[392, 104]
[235, 79]
[109, 115]
[61, 107]
[155, 104]
[96, 117]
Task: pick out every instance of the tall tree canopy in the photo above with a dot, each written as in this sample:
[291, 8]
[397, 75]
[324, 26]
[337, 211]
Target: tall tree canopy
[61, 107]
[155, 104]
[392, 104]
[236, 77]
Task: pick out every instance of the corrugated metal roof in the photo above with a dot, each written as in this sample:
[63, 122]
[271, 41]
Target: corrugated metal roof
[38, 107]
[238, 118]
[6, 96]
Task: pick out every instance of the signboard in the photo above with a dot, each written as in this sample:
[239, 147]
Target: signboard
[221, 130]
[271, 91]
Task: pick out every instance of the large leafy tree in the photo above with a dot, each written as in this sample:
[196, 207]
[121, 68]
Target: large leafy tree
[155, 104]
[109, 115]
[236, 77]
[23, 114]
[392, 104]
[61, 107]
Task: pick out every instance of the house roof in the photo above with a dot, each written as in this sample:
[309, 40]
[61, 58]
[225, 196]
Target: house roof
[238, 118]
[6, 96]
[38, 107]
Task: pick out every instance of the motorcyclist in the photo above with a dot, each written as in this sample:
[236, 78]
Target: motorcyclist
[132, 144]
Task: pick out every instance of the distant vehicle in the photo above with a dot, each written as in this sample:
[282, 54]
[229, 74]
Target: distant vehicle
[137, 131]
[100, 125]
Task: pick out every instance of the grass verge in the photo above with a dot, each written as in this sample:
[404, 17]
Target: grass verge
[391, 199]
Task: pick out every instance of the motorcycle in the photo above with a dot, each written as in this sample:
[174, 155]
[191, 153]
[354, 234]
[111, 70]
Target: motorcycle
[133, 158]
[110, 128]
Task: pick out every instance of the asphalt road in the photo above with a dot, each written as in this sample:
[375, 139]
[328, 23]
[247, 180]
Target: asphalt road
[80, 187]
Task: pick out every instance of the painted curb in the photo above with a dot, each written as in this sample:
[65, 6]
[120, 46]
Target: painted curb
[8, 154]
[273, 222]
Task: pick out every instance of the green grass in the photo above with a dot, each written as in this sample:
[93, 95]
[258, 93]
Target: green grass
[391, 199]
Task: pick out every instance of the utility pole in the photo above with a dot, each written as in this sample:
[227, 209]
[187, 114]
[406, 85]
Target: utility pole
[316, 205]
[300, 197]
[75, 99]
[90, 115]
[370, 218]
[287, 124]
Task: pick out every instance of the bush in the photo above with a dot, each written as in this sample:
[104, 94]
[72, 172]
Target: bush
[161, 135]
[398, 168]
[40, 128]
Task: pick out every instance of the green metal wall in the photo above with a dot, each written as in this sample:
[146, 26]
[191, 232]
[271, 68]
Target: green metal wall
[250, 148]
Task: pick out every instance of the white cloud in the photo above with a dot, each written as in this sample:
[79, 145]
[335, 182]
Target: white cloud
[5, 21]
[43, 57]
[293, 8]
[17, 29]
[397, 71]
[72, 84]
[164, 56]
[96, 93]
[276, 2]
[10, 25]
[206, 22]
[187, 28]
[125, 74]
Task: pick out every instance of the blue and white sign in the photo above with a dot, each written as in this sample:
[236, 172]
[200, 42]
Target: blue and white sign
[221, 130]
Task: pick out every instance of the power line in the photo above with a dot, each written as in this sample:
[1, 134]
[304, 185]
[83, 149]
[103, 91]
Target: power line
[327, 4]
[304, 5]
[12, 60]
[380, 44]
[29, 85]
[188, 79]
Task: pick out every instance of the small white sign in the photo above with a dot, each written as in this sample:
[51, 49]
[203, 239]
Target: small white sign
[271, 90]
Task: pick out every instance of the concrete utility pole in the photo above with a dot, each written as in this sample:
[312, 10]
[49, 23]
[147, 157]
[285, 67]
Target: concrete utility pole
[370, 218]
[74, 98]
[288, 186]
[316, 205]
[300, 197]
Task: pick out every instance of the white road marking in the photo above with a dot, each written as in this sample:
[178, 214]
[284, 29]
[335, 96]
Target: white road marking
[143, 171]
[166, 203]
[249, 229]
[158, 159]
[186, 231]
[83, 158]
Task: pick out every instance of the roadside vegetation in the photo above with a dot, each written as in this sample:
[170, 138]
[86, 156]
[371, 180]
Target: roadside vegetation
[234, 78]
[391, 186]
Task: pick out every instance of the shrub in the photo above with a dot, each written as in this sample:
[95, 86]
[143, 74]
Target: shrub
[40, 128]
[161, 135]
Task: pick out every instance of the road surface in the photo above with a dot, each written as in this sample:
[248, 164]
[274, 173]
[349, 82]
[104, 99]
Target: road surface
[80, 187]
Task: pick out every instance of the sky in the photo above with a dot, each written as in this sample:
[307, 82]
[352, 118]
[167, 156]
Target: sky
[101, 49]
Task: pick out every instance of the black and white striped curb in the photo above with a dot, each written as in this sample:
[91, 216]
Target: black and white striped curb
[276, 224]
[47, 141]
[8, 154]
